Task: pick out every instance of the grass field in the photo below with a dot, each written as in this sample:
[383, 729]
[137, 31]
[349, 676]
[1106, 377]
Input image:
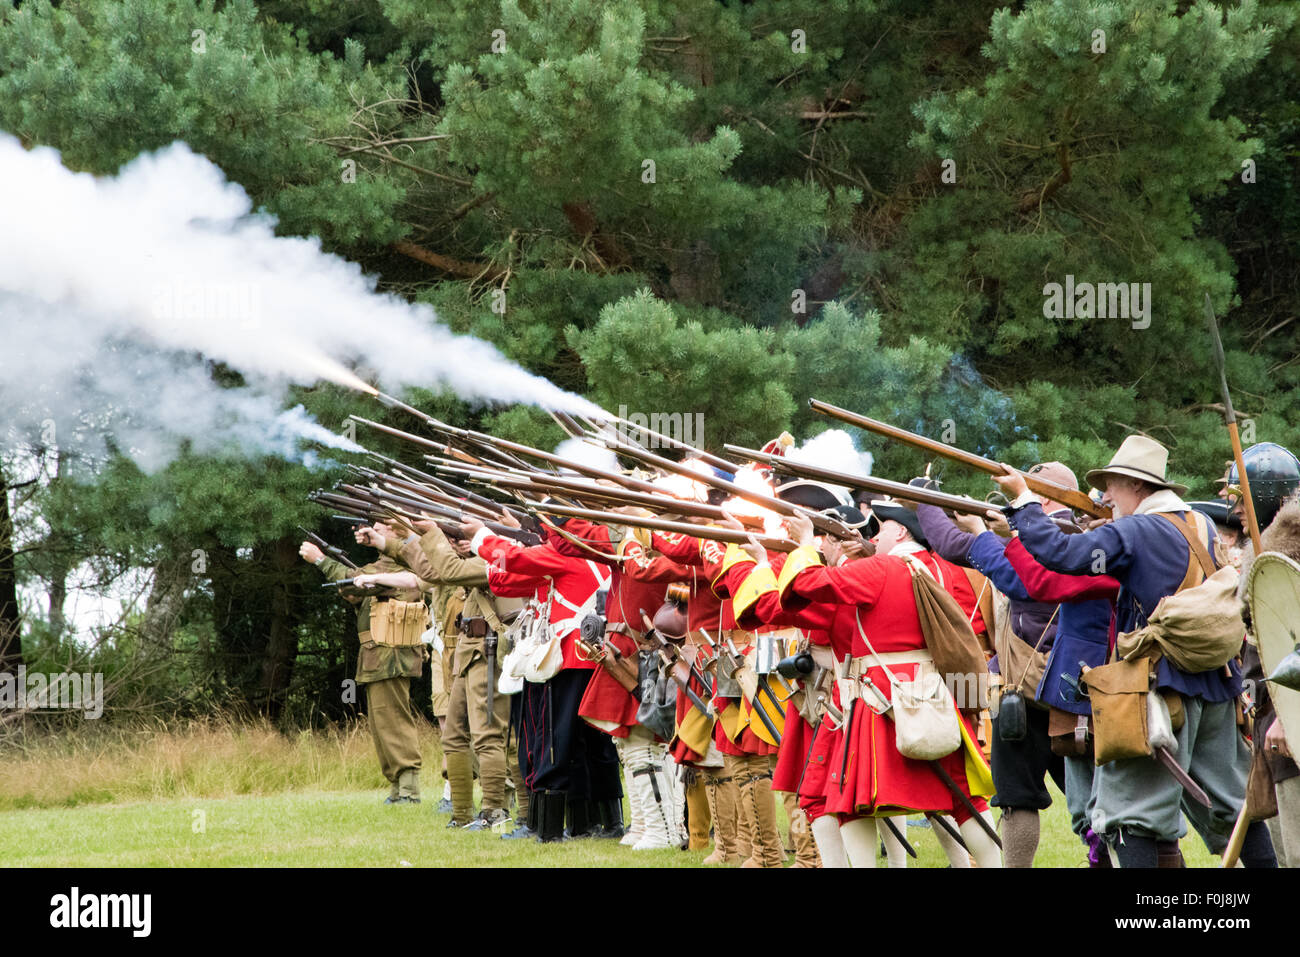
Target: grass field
[234, 796]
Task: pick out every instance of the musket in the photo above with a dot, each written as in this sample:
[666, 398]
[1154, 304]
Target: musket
[435, 423]
[868, 482]
[422, 506]
[586, 489]
[668, 440]
[935, 766]
[423, 492]
[1230, 420]
[821, 521]
[349, 519]
[418, 440]
[370, 512]
[450, 488]
[1074, 498]
[711, 532]
[332, 550]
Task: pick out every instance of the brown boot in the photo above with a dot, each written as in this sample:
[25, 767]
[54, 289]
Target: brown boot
[760, 807]
[736, 771]
[721, 791]
[699, 813]
[805, 848]
[1168, 854]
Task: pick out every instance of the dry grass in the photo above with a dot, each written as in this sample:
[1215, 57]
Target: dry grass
[212, 758]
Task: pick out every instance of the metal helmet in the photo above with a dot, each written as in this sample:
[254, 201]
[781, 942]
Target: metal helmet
[1274, 475]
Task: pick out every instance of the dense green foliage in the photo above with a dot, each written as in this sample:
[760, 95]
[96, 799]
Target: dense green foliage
[709, 206]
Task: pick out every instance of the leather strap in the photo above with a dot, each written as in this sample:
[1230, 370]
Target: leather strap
[1191, 531]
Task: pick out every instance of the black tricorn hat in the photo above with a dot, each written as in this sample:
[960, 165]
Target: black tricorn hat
[810, 494]
[852, 516]
[889, 510]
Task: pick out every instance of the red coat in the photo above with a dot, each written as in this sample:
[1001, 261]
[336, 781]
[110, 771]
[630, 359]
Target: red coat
[515, 570]
[867, 775]
[637, 585]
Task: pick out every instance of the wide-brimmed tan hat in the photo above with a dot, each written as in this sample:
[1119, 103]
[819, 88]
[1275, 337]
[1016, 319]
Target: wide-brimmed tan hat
[1141, 458]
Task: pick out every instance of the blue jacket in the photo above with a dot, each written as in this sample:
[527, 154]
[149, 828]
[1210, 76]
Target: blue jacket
[1149, 557]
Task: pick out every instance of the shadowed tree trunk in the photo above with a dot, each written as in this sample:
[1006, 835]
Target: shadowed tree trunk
[282, 635]
[11, 647]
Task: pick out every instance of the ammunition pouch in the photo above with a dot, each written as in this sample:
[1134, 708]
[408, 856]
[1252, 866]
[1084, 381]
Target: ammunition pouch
[398, 624]
[474, 627]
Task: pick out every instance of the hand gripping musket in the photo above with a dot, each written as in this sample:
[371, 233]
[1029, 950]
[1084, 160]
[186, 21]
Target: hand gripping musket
[821, 521]
[885, 707]
[332, 550]
[868, 482]
[1073, 498]
[678, 668]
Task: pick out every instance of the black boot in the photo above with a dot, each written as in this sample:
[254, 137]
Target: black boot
[583, 821]
[550, 815]
[610, 815]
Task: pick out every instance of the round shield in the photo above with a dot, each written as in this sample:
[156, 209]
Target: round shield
[1273, 593]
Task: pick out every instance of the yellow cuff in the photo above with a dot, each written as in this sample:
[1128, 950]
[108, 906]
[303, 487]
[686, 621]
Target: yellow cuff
[759, 582]
[805, 556]
[733, 555]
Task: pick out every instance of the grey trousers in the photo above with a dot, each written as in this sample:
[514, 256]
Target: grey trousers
[1138, 793]
[1285, 826]
[1080, 795]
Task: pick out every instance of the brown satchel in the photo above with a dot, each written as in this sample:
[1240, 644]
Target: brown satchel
[948, 633]
[1118, 692]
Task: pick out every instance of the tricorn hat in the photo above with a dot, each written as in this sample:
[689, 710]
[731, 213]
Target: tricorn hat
[1138, 457]
[889, 510]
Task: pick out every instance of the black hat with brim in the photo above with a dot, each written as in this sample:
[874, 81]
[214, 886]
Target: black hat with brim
[890, 511]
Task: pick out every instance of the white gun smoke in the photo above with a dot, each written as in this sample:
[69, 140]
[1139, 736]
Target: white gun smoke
[117, 294]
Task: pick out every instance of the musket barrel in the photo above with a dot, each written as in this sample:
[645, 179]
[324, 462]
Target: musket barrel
[868, 482]
[820, 521]
[712, 532]
[1074, 498]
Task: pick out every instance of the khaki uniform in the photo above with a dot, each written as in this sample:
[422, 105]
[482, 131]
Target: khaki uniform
[386, 672]
[469, 731]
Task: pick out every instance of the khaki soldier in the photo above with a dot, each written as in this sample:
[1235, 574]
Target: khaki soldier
[389, 625]
[471, 731]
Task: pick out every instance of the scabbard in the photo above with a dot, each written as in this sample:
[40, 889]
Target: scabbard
[1194, 790]
[893, 829]
[953, 833]
[491, 653]
[961, 796]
